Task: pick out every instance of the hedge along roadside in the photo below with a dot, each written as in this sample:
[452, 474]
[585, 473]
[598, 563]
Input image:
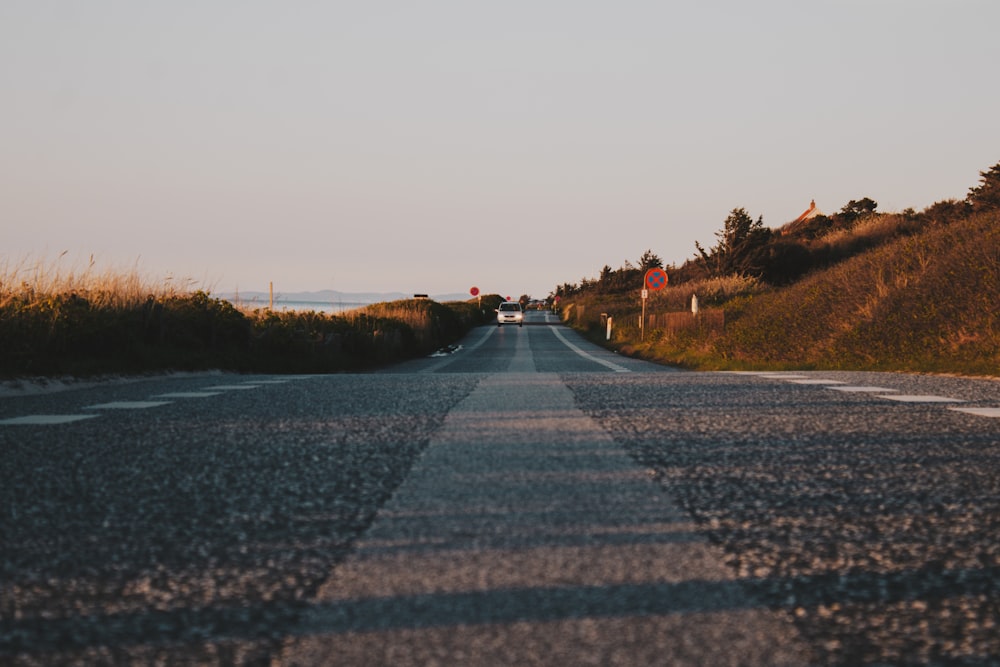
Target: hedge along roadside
[86, 334]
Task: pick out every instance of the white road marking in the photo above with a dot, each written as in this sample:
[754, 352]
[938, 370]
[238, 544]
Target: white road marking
[139, 405]
[613, 366]
[232, 387]
[127, 405]
[817, 381]
[982, 412]
[31, 420]
[490, 330]
[921, 398]
[862, 389]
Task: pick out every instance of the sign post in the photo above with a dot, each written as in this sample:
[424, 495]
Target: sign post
[655, 279]
[475, 292]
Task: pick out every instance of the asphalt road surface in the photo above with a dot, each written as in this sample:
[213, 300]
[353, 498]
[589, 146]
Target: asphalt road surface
[527, 499]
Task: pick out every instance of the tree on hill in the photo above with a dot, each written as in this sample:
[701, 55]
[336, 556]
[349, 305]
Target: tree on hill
[650, 260]
[857, 209]
[738, 247]
[986, 196]
[945, 211]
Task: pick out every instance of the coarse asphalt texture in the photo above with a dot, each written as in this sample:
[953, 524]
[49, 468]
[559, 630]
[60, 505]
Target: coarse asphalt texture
[529, 499]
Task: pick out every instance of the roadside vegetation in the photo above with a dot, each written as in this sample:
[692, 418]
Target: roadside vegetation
[88, 322]
[859, 289]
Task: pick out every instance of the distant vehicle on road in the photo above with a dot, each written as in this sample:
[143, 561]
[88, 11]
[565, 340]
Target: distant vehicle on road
[510, 312]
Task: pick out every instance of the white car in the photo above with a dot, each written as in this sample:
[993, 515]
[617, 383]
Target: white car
[510, 312]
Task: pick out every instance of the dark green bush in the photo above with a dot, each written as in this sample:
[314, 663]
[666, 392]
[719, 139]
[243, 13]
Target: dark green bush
[69, 334]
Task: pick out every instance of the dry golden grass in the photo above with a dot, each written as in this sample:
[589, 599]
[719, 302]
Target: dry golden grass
[32, 280]
[60, 319]
[905, 298]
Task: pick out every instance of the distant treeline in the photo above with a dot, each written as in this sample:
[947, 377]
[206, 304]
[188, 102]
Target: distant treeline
[746, 247]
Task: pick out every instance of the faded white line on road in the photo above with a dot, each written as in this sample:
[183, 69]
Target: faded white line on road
[916, 398]
[441, 364]
[524, 534]
[613, 366]
[232, 387]
[862, 389]
[189, 394]
[818, 381]
[982, 412]
[47, 420]
[127, 405]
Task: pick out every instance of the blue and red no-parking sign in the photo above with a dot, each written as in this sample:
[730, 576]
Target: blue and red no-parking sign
[655, 279]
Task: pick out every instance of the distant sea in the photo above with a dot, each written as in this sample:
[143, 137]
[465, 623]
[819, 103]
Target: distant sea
[316, 306]
[324, 301]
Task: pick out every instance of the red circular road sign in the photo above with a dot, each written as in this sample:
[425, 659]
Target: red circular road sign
[655, 279]
[474, 291]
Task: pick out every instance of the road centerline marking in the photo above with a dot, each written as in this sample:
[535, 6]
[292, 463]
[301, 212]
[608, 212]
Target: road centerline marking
[523, 514]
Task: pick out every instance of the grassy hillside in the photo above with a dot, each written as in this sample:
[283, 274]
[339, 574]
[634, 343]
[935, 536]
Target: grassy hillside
[915, 292]
[926, 302]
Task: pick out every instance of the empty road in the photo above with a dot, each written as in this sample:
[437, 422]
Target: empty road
[527, 499]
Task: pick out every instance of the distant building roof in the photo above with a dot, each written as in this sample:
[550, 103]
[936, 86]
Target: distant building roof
[807, 215]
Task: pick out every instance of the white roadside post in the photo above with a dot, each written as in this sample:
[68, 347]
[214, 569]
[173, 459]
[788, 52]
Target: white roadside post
[642, 318]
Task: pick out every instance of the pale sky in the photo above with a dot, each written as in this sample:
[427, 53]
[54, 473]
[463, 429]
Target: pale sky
[433, 145]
